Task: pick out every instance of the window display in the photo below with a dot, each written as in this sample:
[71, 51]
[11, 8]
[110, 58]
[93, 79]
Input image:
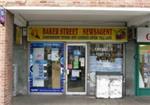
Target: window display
[106, 57]
[46, 67]
[144, 72]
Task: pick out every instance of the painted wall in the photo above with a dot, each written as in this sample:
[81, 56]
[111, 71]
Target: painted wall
[130, 67]
[20, 58]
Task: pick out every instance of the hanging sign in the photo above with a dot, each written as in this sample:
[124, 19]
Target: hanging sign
[143, 34]
[2, 16]
[37, 33]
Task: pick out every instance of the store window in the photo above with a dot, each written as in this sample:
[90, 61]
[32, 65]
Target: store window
[144, 71]
[46, 67]
[106, 58]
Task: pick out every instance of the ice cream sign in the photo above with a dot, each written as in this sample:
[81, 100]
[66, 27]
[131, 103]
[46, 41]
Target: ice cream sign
[143, 34]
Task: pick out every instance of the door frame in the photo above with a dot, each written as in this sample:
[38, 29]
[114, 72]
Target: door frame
[66, 60]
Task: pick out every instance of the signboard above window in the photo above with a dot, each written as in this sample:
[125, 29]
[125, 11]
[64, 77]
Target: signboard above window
[143, 34]
[102, 34]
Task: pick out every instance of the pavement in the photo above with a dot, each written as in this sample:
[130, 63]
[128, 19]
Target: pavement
[77, 100]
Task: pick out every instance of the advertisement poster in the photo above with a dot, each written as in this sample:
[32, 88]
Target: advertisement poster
[55, 54]
[70, 66]
[40, 60]
[38, 54]
[143, 34]
[82, 62]
[49, 56]
[76, 62]
[38, 75]
[75, 73]
[76, 53]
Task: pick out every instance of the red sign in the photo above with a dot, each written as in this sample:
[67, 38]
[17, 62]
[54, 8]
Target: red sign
[148, 36]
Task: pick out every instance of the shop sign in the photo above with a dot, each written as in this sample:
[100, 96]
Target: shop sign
[2, 16]
[103, 34]
[143, 34]
[18, 38]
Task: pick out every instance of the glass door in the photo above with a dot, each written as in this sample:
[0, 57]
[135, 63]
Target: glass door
[76, 68]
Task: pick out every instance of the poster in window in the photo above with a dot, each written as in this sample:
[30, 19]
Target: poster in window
[82, 62]
[75, 73]
[55, 54]
[76, 62]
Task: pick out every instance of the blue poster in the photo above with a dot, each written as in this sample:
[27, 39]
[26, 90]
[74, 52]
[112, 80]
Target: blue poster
[40, 54]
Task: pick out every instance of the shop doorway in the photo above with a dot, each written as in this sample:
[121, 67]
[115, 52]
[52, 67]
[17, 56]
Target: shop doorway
[46, 73]
[76, 69]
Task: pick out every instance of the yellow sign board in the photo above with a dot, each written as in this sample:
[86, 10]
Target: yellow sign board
[18, 35]
[101, 34]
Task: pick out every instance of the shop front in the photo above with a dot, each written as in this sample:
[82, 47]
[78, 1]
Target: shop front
[143, 62]
[67, 60]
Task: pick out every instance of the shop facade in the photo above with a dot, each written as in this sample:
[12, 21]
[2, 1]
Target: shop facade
[66, 60]
[30, 81]
[142, 62]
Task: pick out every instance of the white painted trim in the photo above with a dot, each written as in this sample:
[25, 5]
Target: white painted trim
[76, 93]
[76, 23]
[140, 20]
[141, 13]
[19, 20]
[76, 8]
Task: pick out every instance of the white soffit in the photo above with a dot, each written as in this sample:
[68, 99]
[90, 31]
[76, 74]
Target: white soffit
[132, 16]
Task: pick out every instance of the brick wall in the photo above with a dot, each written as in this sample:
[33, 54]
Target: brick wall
[2, 63]
[79, 3]
[6, 35]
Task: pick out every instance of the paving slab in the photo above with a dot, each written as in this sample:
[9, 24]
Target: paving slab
[77, 100]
